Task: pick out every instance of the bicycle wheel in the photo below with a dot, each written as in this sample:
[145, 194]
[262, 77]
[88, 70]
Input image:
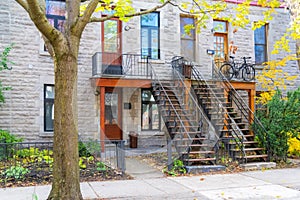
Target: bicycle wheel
[227, 70]
[248, 72]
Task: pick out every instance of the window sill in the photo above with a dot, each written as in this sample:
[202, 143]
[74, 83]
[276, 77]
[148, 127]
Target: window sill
[46, 134]
[157, 61]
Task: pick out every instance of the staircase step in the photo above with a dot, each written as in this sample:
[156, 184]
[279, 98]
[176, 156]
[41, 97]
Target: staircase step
[199, 159]
[204, 168]
[198, 152]
[248, 149]
[252, 156]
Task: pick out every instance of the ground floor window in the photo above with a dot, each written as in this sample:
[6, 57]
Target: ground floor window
[48, 107]
[150, 113]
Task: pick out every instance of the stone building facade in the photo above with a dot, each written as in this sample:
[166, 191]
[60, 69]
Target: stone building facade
[23, 113]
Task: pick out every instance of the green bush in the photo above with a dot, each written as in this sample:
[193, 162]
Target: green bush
[281, 116]
[6, 137]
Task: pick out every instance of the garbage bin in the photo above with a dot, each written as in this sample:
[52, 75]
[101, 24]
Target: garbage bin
[133, 139]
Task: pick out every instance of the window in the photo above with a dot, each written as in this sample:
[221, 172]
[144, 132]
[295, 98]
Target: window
[187, 39]
[150, 35]
[220, 39]
[48, 107]
[150, 113]
[55, 13]
[260, 44]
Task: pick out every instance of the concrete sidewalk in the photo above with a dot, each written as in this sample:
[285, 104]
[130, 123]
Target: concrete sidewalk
[269, 184]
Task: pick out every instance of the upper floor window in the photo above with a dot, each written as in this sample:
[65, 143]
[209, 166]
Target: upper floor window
[260, 44]
[150, 35]
[220, 29]
[55, 13]
[48, 107]
[187, 38]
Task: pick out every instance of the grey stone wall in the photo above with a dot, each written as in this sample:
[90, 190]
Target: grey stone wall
[23, 112]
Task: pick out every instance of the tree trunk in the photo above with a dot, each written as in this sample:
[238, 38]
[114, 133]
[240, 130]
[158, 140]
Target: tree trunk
[65, 185]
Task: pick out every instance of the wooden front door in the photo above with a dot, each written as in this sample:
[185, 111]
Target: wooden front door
[111, 46]
[113, 113]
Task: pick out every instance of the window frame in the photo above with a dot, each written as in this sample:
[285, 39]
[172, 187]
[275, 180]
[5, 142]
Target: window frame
[56, 19]
[224, 35]
[149, 34]
[190, 38]
[48, 100]
[264, 44]
[150, 103]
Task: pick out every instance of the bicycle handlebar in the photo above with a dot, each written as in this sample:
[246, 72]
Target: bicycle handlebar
[244, 58]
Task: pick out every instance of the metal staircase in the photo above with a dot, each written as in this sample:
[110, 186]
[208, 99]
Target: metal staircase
[230, 115]
[190, 131]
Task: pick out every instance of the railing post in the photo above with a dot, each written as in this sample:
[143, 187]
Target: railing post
[121, 156]
[169, 152]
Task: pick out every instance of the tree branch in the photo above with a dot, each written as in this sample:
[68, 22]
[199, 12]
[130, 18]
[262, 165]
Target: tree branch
[72, 10]
[96, 19]
[36, 10]
[85, 18]
[23, 3]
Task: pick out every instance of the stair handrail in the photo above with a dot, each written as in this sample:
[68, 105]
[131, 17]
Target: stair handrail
[156, 79]
[202, 116]
[193, 98]
[242, 106]
[238, 134]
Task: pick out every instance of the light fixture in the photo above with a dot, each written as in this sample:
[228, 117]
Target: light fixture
[127, 28]
[96, 92]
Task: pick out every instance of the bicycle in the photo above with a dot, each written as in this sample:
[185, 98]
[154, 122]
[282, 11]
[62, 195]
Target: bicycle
[233, 69]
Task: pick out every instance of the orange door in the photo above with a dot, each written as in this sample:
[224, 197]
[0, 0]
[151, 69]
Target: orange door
[113, 113]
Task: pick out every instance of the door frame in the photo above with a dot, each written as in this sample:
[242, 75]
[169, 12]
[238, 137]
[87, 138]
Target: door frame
[104, 90]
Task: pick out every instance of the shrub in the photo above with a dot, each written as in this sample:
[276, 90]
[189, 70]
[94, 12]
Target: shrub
[281, 116]
[294, 147]
[16, 172]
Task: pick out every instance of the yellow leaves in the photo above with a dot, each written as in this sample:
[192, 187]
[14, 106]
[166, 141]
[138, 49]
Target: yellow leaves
[272, 77]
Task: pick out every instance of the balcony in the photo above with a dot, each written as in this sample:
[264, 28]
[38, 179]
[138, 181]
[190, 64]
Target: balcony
[120, 65]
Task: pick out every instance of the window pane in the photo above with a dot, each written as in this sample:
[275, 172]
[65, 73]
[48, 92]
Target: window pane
[260, 35]
[150, 19]
[155, 117]
[145, 42]
[260, 56]
[183, 22]
[145, 116]
[49, 92]
[55, 7]
[154, 44]
[110, 36]
[111, 108]
[187, 49]
[220, 26]
[49, 115]
[146, 95]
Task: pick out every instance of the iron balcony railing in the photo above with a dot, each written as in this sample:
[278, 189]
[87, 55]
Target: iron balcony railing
[114, 64]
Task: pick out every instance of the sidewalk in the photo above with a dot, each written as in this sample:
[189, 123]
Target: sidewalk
[269, 184]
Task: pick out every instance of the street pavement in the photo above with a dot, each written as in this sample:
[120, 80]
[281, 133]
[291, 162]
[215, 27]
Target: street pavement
[283, 184]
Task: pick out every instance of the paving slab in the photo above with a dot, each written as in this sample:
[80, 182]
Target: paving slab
[285, 177]
[265, 192]
[218, 181]
[141, 170]
[124, 189]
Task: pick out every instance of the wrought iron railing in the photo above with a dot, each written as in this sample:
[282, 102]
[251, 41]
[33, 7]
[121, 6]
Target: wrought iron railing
[243, 108]
[113, 64]
[189, 100]
[220, 119]
[36, 158]
[221, 114]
